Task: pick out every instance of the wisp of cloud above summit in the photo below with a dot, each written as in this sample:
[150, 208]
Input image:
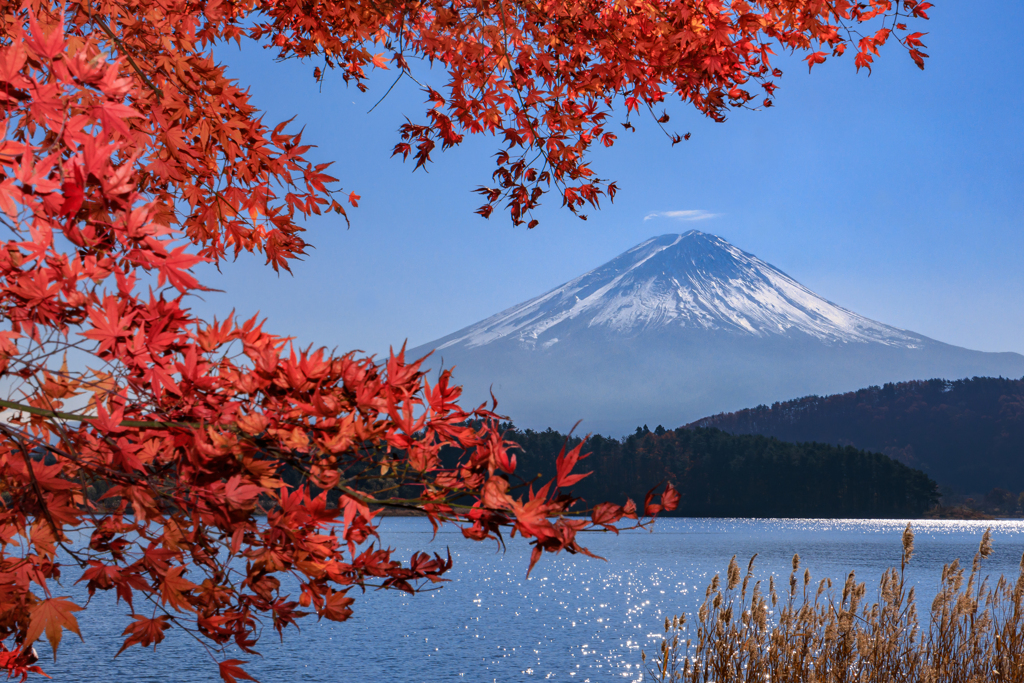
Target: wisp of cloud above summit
[684, 215]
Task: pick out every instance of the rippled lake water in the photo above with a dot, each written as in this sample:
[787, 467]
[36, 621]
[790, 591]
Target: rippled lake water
[575, 619]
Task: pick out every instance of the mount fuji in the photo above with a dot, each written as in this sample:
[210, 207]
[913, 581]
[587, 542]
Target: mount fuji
[677, 328]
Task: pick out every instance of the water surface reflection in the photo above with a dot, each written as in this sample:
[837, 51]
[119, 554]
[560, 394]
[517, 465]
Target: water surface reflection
[575, 619]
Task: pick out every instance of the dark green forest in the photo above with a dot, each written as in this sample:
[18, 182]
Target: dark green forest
[968, 434]
[725, 475]
[717, 474]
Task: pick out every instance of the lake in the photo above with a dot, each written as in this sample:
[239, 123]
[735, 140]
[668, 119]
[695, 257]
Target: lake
[575, 619]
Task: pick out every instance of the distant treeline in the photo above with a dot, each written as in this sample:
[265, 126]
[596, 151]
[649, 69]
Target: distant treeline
[724, 475]
[967, 435]
[717, 474]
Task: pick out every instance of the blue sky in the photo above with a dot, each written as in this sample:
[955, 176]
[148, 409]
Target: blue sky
[899, 196]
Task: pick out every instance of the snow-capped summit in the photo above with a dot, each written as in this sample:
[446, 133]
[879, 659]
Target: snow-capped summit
[694, 280]
[677, 328]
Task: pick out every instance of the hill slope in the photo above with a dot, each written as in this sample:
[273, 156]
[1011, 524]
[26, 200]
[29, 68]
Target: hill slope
[966, 434]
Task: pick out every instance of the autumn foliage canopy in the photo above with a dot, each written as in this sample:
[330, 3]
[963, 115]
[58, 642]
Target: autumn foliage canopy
[145, 451]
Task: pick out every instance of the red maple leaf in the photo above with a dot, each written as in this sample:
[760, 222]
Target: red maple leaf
[231, 672]
[145, 631]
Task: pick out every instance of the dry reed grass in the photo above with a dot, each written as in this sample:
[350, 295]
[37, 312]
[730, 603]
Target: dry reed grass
[807, 635]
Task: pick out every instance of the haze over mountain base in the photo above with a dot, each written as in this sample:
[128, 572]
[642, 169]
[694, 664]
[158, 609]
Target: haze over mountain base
[677, 328]
[672, 381]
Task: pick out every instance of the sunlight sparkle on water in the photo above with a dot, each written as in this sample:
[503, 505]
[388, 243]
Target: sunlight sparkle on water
[576, 619]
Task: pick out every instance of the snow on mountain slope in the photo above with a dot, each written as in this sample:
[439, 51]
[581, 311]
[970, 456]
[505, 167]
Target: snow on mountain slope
[677, 328]
[694, 280]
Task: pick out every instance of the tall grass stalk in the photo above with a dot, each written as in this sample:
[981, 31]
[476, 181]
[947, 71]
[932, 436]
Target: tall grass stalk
[809, 634]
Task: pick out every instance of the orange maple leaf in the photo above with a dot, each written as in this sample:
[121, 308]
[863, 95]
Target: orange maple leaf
[175, 590]
[52, 615]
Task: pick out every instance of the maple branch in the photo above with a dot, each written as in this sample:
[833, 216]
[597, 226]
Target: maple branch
[183, 627]
[91, 468]
[382, 97]
[128, 56]
[39, 494]
[145, 424]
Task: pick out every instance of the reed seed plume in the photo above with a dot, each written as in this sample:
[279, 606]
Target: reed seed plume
[985, 547]
[908, 545]
[734, 574]
[974, 631]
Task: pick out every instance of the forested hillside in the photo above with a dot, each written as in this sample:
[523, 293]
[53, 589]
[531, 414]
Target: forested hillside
[966, 434]
[723, 475]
